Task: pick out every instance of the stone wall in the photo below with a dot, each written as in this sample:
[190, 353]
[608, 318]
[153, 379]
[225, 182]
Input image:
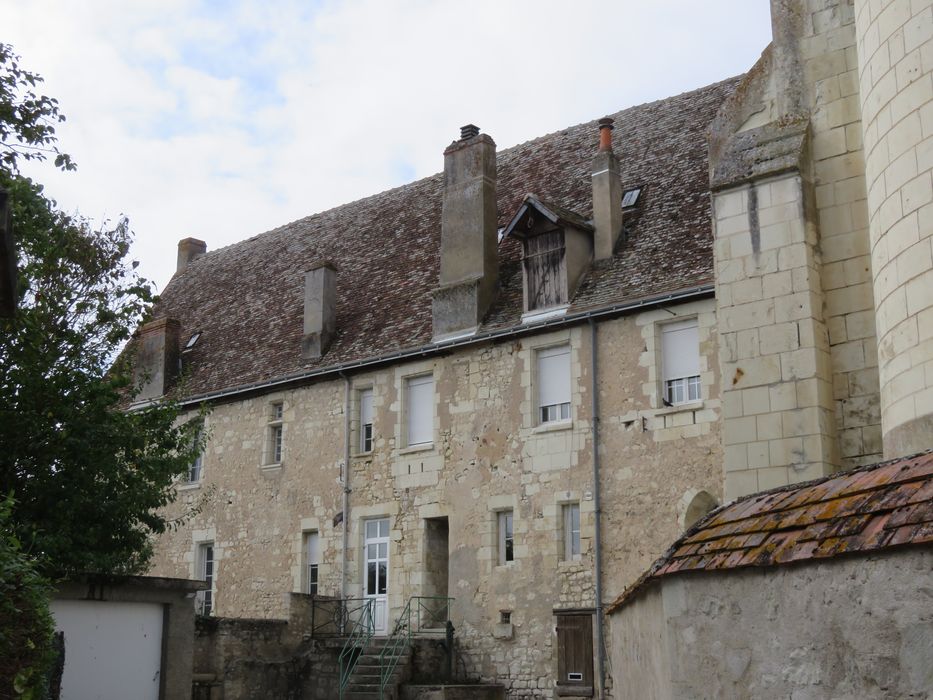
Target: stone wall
[895, 63]
[489, 454]
[851, 627]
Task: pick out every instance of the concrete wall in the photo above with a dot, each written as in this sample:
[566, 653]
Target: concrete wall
[895, 63]
[852, 627]
[489, 453]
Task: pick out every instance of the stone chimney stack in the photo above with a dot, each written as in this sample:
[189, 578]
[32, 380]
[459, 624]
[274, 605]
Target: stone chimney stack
[156, 365]
[607, 194]
[320, 323]
[469, 235]
[189, 249]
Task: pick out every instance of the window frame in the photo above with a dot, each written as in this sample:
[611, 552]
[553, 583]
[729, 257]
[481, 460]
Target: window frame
[365, 440]
[312, 564]
[275, 435]
[553, 413]
[570, 537]
[408, 382]
[688, 387]
[505, 536]
[206, 600]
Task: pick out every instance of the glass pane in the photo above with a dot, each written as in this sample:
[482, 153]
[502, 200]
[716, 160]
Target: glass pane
[371, 578]
[372, 529]
[371, 551]
[383, 528]
[383, 550]
[575, 517]
[508, 550]
[382, 578]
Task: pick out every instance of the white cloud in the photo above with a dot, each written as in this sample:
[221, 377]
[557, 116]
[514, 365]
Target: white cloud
[220, 123]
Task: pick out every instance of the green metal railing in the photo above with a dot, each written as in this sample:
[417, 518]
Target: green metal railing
[357, 622]
[421, 614]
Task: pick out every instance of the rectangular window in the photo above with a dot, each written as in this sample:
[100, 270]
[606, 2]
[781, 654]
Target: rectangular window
[420, 403]
[554, 384]
[274, 448]
[571, 531]
[204, 603]
[366, 420]
[312, 554]
[194, 470]
[680, 361]
[506, 537]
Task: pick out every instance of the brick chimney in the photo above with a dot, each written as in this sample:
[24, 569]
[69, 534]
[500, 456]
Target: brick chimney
[607, 194]
[189, 249]
[320, 317]
[469, 235]
[156, 363]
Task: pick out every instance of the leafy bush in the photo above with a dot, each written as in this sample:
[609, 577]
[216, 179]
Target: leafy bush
[26, 651]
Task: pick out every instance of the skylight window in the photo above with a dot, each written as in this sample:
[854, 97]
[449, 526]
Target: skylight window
[630, 197]
[192, 340]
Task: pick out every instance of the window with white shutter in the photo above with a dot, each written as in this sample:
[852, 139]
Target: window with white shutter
[366, 420]
[554, 384]
[420, 402]
[680, 361]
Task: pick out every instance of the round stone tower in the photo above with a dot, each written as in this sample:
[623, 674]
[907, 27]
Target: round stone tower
[895, 71]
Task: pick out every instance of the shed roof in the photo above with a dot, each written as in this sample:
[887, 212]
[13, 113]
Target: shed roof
[868, 508]
[246, 299]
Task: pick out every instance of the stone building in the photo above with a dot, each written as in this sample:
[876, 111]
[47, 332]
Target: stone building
[516, 382]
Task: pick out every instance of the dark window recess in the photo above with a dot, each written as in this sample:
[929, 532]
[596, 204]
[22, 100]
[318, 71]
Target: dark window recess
[505, 617]
[630, 197]
[575, 655]
[545, 270]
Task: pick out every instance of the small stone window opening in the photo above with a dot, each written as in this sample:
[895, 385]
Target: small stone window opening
[366, 420]
[545, 270]
[571, 531]
[312, 559]
[680, 362]
[505, 617]
[553, 375]
[275, 432]
[506, 537]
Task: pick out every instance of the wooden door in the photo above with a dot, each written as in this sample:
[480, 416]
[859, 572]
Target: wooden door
[575, 654]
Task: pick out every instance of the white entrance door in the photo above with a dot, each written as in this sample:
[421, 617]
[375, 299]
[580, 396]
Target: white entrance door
[376, 572]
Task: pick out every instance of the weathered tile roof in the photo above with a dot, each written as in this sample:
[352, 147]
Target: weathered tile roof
[246, 299]
[862, 510]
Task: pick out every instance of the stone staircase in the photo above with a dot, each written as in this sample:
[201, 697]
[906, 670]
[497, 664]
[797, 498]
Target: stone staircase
[366, 676]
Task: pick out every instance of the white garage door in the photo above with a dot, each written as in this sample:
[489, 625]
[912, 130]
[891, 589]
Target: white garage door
[113, 651]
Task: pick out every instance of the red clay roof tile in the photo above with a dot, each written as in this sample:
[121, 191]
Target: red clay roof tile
[866, 509]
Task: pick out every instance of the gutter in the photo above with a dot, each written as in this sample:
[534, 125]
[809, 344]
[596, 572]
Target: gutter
[345, 482]
[598, 554]
[687, 294]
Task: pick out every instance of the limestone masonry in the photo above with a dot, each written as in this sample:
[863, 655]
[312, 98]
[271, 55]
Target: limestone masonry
[517, 382]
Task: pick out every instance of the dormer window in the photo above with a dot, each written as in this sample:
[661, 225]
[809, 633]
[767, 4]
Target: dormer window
[545, 271]
[557, 249]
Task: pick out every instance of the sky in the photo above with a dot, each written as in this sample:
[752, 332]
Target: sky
[224, 119]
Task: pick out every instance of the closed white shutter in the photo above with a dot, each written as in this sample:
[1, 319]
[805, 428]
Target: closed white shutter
[420, 410]
[366, 406]
[554, 376]
[680, 348]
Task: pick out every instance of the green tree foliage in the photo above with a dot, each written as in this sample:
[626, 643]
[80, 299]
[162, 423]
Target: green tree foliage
[89, 478]
[25, 623]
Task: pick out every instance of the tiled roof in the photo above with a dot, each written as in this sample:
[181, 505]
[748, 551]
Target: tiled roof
[866, 509]
[246, 299]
